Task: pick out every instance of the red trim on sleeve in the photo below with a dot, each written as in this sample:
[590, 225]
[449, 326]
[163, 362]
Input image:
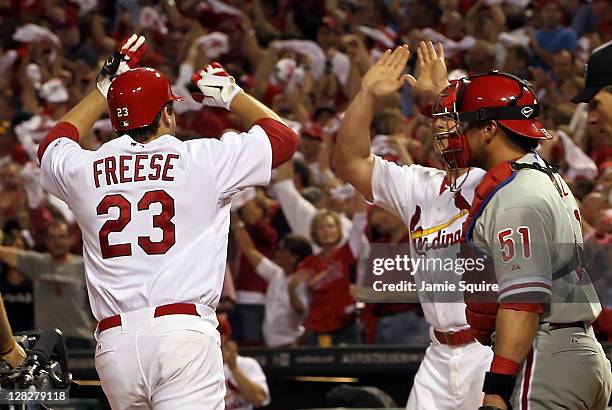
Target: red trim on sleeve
[524, 307]
[503, 365]
[283, 140]
[61, 129]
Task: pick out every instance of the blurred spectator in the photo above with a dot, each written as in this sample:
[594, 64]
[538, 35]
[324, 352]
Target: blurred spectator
[60, 298]
[245, 382]
[550, 36]
[480, 58]
[282, 324]
[247, 317]
[582, 16]
[517, 61]
[16, 289]
[327, 276]
[397, 323]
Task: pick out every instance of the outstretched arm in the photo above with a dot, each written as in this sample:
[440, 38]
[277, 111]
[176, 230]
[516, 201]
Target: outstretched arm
[245, 242]
[352, 159]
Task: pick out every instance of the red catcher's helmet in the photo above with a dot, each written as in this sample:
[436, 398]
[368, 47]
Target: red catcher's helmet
[494, 96]
[136, 96]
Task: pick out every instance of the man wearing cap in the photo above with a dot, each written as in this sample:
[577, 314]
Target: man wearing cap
[598, 87]
[245, 382]
[154, 212]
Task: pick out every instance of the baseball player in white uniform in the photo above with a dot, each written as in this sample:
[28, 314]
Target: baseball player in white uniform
[155, 212]
[451, 374]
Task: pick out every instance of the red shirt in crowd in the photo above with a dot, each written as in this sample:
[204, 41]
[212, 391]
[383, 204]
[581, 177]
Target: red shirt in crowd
[265, 239]
[331, 304]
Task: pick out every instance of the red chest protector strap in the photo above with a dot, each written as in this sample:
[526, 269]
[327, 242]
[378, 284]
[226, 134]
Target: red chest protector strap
[497, 177]
[481, 315]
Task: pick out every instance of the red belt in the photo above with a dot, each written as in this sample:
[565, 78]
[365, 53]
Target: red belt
[452, 338]
[171, 309]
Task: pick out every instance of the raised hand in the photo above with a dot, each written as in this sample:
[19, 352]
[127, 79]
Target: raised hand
[431, 73]
[216, 88]
[125, 58]
[385, 76]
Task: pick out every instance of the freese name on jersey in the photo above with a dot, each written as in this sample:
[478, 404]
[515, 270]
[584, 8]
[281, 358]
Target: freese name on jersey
[122, 169]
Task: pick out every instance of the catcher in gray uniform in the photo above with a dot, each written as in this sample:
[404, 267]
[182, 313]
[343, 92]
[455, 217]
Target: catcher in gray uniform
[526, 220]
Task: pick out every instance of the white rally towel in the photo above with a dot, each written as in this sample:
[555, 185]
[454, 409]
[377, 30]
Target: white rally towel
[216, 44]
[7, 60]
[219, 7]
[580, 164]
[150, 18]
[451, 47]
[54, 91]
[30, 33]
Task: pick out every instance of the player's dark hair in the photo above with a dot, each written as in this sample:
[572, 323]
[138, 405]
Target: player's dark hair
[296, 245]
[142, 134]
[526, 144]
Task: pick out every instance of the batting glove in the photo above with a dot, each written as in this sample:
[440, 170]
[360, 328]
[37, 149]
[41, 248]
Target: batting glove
[125, 58]
[216, 87]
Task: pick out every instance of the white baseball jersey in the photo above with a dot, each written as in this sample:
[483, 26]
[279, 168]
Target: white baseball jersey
[155, 216]
[282, 324]
[449, 377]
[421, 197]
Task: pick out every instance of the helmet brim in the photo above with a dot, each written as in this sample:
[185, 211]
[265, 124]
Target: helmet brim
[527, 128]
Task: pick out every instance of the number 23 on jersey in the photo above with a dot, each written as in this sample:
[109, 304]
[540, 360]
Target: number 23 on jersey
[162, 221]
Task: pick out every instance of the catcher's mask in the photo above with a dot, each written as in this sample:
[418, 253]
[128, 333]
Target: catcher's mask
[494, 96]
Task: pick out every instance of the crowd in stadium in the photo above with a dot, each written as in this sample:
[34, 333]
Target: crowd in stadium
[305, 59]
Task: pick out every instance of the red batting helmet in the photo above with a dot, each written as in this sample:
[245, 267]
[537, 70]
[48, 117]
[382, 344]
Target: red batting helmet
[495, 96]
[136, 96]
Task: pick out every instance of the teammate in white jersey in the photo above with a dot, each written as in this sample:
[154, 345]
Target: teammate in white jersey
[154, 212]
[451, 374]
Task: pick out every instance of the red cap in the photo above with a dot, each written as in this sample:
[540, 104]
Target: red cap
[313, 130]
[224, 327]
[331, 22]
[136, 96]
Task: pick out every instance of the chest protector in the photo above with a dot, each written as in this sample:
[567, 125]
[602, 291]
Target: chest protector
[480, 311]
